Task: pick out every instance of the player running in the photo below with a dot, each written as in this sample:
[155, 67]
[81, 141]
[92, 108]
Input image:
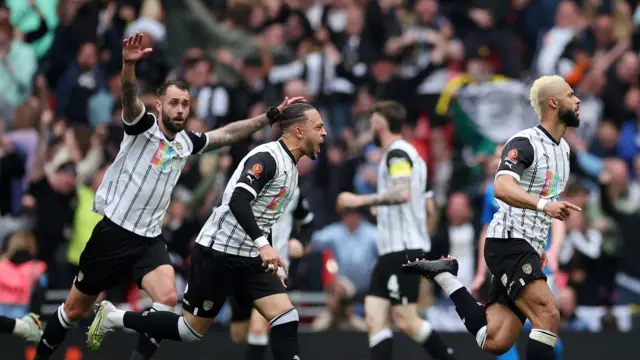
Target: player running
[532, 174]
[490, 207]
[133, 198]
[233, 253]
[402, 235]
[291, 234]
[28, 327]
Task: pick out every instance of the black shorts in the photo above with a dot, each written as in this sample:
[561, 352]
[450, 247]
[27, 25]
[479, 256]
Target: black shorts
[113, 255]
[216, 275]
[388, 281]
[514, 263]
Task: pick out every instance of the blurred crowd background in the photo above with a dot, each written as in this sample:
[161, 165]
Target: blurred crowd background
[461, 67]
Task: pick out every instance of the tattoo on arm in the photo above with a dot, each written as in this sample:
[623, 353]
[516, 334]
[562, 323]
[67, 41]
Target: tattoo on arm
[234, 132]
[398, 194]
[131, 105]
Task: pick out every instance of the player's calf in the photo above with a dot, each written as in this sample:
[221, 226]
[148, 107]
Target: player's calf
[379, 327]
[537, 302]
[258, 337]
[73, 310]
[284, 319]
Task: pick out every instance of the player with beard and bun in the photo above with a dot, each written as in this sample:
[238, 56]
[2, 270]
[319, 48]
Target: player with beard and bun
[533, 172]
[233, 254]
[133, 198]
[402, 235]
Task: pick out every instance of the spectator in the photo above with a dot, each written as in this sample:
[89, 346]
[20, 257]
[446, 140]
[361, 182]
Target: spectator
[353, 243]
[17, 67]
[22, 276]
[567, 303]
[339, 314]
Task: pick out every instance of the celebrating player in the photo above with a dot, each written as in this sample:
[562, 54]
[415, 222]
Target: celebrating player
[290, 234]
[28, 327]
[402, 228]
[233, 249]
[533, 172]
[556, 236]
[133, 198]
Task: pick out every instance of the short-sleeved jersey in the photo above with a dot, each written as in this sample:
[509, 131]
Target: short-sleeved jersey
[270, 174]
[540, 164]
[136, 189]
[403, 226]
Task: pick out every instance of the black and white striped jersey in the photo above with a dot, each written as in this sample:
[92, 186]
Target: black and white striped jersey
[297, 214]
[404, 226]
[540, 164]
[136, 189]
[269, 174]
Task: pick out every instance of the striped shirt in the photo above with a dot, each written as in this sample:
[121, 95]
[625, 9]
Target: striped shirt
[540, 164]
[297, 214]
[403, 226]
[270, 175]
[136, 189]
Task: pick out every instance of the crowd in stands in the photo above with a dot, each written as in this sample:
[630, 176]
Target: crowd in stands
[462, 68]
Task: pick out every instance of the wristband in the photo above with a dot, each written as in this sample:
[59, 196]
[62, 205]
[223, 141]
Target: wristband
[261, 242]
[541, 204]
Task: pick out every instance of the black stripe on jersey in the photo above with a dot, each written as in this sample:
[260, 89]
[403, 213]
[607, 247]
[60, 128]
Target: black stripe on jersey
[546, 156]
[533, 179]
[109, 190]
[153, 191]
[126, 185]
[164, 190]
[135, 197]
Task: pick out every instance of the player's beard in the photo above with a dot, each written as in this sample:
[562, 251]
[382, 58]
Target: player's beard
[310, 149]
[170, 125]
[569, 118]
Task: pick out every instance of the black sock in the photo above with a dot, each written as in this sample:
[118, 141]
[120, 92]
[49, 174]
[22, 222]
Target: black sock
[437, 348]
[256, 346]
[7, 325]
[381, 345]
[144, 349]
[54, 334]
[470, 311]
[255, 352]
[541, 345]
[160, 325]
[284, 336]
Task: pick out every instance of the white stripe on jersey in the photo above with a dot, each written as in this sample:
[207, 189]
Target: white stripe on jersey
[403, 227]
[222, 231]
[136, 188]
[545, 178]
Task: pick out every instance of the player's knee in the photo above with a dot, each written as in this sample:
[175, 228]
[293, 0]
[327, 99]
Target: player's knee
[168, 297]
[546, 315]
[75, 310]
[258, 326]
[402, 321]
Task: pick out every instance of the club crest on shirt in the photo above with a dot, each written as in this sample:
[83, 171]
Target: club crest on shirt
[256, 170]
[179, 146]
[512, 157]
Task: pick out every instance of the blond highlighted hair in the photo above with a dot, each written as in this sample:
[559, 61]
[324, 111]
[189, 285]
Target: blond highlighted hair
[541, 89]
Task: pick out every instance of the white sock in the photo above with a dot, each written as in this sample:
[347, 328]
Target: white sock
[161, 307]
[258, 339]
[543, 336]
[481, 336]
[116, 318]
[379, 337]
[424, 333]
[21, 329]
[63, 318]
[187, 334]
[448, 282]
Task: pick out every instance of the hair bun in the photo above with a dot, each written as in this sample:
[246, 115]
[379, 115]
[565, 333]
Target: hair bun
[274, 115]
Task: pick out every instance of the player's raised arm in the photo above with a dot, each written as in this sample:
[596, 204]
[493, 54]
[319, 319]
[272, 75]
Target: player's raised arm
[132, 51]
[242, 129]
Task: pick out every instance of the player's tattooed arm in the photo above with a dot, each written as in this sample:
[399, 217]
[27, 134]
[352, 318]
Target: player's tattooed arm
[235, 132]
[399, 193]
[131, 105]
[240, 130]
